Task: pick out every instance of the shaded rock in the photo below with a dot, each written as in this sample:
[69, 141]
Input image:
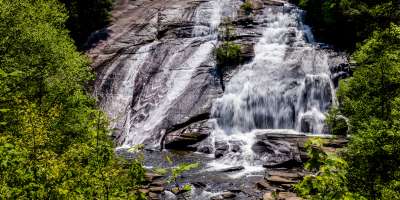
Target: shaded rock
[304, 157]
[274, 3]
[262, 185]
[257, 4]
[261, 147]
[280, 180]
[232, 169]
[183, 138]
[156, 189]
[286, 174]
[268, 196]
[199, 184]
[205, 149]
[247, 51]
[286, 164]
[220, 148]
[159, 183]
[336, 143]
[153, 195]
[235, 148]
[151, 176]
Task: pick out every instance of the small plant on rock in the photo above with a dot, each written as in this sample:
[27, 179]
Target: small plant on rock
[247, 7]
[175, 173]
[228, 54]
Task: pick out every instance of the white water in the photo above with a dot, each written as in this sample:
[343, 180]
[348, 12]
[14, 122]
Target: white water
[285, 89]
[136, 122]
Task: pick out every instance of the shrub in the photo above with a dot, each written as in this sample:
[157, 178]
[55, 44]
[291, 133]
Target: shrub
[228, 54]
[337, 123]
[247, 7]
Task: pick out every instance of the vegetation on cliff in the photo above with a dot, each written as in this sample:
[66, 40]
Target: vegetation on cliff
[54, 142]
[345, 23]
[369, 165]
[85, 17]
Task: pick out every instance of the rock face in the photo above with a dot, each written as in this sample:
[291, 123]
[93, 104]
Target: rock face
[186, 137]
[158, 82]
[156, 68]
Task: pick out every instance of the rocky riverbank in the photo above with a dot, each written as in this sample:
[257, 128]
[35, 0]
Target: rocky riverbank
[276, 180]
[158, 81]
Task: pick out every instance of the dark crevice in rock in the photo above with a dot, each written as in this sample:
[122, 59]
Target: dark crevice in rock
[196, 118]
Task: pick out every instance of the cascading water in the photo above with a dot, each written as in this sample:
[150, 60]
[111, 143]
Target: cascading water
[285, 89]
[138, 92]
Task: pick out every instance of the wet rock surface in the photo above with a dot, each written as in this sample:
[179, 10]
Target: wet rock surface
[157, 81]
[208, 184]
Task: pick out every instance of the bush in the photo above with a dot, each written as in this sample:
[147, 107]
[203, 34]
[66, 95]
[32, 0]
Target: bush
[247, 7]
[337, 123]
[228, 54]
[54, 142]
[86, 16]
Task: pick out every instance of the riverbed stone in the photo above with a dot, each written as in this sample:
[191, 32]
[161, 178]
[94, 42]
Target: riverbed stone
[280, 180]
[156, 189]
[152, 176]
[153, 196]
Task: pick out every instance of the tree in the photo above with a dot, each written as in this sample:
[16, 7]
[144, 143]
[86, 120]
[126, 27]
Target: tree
[86, 16]
[376, 82]
[54, 142]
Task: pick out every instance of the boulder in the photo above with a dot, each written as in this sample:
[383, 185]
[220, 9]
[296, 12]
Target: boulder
[285, 174]
[280, 180]
[289, 164]
[261, 147]
[151, 176]
[268, 196]
[156, 189]
[262, 185]
[221, 148]
[187, 136]
[274, 3]
[153, 195]
[205, 149]
[158, 183]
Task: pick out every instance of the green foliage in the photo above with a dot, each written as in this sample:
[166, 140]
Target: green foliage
[369, 166]
[228, 54]
[337, 123]
[86, 16]
[316, 154]
[347, 22]
[373, 156]
[329, 183]
[371, 91]
[247, 7]
[180, 169]
[54, 143]
[175, 173]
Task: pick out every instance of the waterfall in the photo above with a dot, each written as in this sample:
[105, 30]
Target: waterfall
[286, 88]
[140, 88]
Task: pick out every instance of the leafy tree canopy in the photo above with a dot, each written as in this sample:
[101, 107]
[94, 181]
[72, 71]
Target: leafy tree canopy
[54, 143]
